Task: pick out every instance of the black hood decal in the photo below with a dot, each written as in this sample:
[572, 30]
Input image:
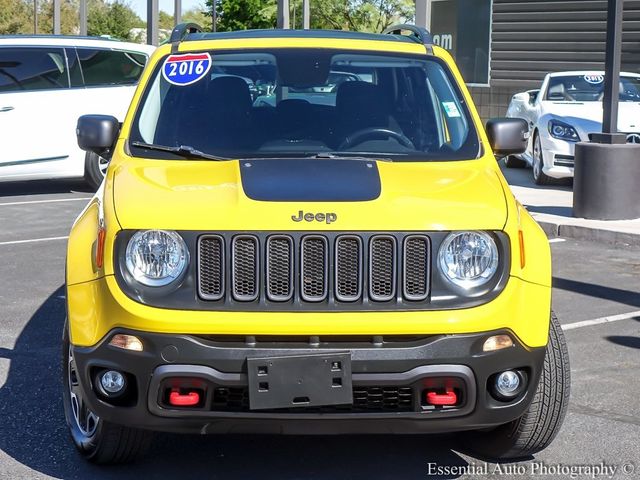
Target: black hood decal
[310, 180]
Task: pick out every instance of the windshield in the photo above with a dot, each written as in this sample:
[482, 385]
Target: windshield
[590, 88]
[304, 102]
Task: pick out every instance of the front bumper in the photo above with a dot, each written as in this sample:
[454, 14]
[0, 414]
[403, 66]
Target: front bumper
[558, 157]
[407, 363]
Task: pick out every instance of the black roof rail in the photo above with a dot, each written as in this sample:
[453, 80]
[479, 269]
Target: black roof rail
[419, 34]
[182, 30]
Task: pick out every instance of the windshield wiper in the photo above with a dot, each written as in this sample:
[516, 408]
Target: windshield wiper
[185, 151]
[351, 156]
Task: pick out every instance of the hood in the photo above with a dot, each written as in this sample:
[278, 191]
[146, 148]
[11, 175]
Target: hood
[279, 195]
[588, 115]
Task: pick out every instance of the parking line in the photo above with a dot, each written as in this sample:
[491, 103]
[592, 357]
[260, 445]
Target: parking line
[16, 242]
[599, 321]
[46, 201]
[557, 240]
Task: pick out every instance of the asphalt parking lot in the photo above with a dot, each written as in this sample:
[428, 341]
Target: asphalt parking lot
[591, 281]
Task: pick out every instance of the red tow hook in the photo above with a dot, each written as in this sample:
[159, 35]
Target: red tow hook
[449, 398]
[188, 400]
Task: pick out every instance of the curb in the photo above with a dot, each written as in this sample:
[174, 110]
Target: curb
[597, 235]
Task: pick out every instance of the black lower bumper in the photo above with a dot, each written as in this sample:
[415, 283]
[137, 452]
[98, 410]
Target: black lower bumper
[388, 377]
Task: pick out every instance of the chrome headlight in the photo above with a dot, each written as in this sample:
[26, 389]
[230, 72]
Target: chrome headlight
[156, 257]
[468, 259]
[562, 131]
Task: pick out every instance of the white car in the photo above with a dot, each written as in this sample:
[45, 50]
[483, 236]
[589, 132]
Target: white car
[46, 83]
[566, 110]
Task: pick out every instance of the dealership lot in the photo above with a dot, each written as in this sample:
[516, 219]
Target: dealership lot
[591, 282]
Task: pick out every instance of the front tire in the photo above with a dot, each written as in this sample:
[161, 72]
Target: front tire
[540, 424]
[539, 177]
[95, 169]
[97, 440]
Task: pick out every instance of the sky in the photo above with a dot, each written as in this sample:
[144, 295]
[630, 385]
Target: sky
[140, 6]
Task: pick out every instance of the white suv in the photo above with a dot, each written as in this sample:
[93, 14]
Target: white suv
[46, 83]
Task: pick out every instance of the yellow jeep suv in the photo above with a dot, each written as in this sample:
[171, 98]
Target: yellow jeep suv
[308, 232]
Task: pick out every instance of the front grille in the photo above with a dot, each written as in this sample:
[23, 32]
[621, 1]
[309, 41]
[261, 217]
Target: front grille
[382, 268]
[313, 268]
[244, 257]
[329, 270]
[348, 268]
[211, 255]
[416, 267]
[371, 399]
[279, 268]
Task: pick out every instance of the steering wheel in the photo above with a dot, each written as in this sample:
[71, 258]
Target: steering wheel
[375, 132]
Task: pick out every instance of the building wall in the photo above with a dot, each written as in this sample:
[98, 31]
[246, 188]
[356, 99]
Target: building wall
[533, 37]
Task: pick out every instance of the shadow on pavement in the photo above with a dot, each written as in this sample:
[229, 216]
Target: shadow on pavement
[34, 433]
[35, 187]
[627, 297]
[625, 341]
[551, 210]
[522, 177]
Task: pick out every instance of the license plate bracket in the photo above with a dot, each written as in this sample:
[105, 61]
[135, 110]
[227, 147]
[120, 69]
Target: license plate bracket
[300, 381]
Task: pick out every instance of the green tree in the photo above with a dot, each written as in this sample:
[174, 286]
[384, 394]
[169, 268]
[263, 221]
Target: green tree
[69, 22]
[360, 15]
[197, 15]
[114, 19]
[15, 17]
[165, 21]
[243, 14]
[357, 15]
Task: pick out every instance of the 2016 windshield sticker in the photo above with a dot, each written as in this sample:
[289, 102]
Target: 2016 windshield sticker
[186, 69]
[594, 79]
[451, 109]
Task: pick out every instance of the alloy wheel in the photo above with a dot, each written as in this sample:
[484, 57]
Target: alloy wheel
[85, 419]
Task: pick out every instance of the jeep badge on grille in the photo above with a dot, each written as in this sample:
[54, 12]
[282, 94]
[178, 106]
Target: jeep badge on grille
[328, 217]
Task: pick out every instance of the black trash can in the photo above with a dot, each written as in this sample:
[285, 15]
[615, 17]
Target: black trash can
[606, 184]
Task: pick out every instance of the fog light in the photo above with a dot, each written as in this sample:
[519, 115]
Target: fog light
[507, 384]
[497, 342]
[112, 382]
[128, 342]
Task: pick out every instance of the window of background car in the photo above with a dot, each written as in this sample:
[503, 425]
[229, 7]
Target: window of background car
[302, 102]
[24, 69]
[108, 67]
[589, 88]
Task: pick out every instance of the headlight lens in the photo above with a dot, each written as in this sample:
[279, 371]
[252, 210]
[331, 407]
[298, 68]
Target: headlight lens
[468, 259]
[561, 130]
[156, 257]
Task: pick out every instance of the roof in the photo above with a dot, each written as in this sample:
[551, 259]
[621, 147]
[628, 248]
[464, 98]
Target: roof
[73, 41]
[589, 72]
[280, 33]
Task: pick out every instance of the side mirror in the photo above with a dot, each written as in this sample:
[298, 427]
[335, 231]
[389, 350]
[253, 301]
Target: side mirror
[98, 134]
[522, 97]
[533, 96]
[507, 136]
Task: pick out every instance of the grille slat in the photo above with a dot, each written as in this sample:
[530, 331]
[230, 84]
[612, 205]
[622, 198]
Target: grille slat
[416, 267]
[211, 267]
[365, 399]
[337, 270]
[382, 268]
[348, 268]
[244, 270]
[279, 268]
[313, 268]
